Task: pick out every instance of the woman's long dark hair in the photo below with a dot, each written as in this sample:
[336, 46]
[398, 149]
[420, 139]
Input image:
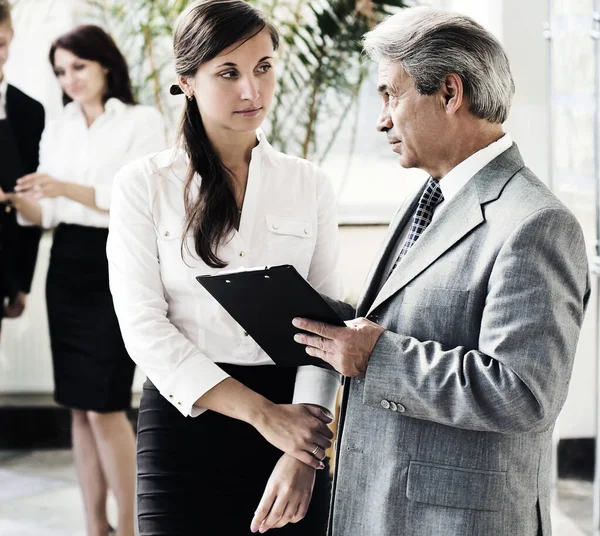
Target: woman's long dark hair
[90, 42]
[203, 31]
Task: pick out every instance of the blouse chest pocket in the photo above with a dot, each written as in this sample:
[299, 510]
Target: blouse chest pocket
[290, 241]
[178, 263]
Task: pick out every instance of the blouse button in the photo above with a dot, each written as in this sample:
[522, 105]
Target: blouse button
[245, 333]
[306, 231]
[167, 233]
[170, 396]
[242, 254]
[275, 226]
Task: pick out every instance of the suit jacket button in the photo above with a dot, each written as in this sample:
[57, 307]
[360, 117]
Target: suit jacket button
[393, 406]
[401, 408]
[385, 404]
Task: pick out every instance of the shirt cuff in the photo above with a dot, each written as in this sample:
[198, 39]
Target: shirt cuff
[316, 385]
[22, 221]
[192, 379]
[47, 209]
[102, 196]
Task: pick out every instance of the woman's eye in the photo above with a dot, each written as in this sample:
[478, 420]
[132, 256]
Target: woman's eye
[229, 75]
[264, 68]
[79, 67]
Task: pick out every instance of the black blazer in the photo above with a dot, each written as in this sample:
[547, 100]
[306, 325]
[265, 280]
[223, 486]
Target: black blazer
[19, 245]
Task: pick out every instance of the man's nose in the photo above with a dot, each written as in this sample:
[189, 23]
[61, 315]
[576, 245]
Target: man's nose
[384, 123]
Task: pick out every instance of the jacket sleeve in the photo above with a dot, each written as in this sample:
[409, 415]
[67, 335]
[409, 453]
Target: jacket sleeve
[516, 380]
[28, 238]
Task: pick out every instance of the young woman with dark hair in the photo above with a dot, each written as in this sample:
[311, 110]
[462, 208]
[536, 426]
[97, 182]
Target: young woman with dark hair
[100, 130]
[216, 416]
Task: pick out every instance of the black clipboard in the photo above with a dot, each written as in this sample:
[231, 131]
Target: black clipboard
[265, 301]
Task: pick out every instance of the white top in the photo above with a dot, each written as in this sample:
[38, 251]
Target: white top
[3, 89]
[71, 151]
[173, 328]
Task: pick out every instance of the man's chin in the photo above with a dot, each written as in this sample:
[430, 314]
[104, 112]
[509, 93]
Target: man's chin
[405, 162]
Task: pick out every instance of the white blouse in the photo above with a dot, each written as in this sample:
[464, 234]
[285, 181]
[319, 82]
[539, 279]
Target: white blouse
[71, 151]
[173, 328]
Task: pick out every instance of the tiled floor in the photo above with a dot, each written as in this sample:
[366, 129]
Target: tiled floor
[39, 497]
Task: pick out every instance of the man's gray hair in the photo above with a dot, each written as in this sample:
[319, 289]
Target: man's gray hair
[430, 44]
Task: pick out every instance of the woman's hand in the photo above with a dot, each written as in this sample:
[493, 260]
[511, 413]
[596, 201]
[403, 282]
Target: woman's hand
[6, 197]
[15, 306]
[39, 185]
[298, 430]
[286, 497]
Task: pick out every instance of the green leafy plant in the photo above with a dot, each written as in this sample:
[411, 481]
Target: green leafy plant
[320, 69]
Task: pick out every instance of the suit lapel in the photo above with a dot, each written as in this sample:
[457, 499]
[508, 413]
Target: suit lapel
[462, 214]
[406, 210]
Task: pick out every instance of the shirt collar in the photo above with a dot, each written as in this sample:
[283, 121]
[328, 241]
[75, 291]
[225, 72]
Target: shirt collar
[112, 106]
[262, 148]
[460, 175]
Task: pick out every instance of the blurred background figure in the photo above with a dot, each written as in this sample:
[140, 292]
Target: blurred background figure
[102, 128]
[21, 126]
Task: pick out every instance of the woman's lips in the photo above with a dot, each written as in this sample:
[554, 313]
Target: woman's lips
[251, 112]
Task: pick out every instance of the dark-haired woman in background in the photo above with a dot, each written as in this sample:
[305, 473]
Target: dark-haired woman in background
[224, 197]
[102, 128]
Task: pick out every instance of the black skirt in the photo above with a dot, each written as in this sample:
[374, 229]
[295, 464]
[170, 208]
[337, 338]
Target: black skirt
[205, 476]
[92, 370]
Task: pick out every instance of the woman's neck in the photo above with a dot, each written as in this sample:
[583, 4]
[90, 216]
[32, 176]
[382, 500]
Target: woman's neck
[234, 148]
[92, 111]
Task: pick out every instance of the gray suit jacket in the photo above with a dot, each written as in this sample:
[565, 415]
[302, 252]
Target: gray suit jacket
[449, 433]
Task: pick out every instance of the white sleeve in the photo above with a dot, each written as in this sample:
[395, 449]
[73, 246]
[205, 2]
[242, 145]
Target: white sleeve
[149, 137]
[179, 370]
[47, 204]
[317, 385]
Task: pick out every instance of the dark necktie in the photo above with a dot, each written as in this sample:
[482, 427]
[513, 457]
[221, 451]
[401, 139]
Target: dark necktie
[430, 198]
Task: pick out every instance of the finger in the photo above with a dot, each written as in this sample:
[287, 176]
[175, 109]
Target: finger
[325, 431]
[306, 458]
[320, 328]
[302, 510]
[319, 413]
[327, 345]
[28, 186]
[322, 442]
[276, 513]
[263, 509]
[320, 453]
[288, 515]
[29, 177]
[321, 354]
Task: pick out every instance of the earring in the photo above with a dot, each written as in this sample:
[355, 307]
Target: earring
[190, 97]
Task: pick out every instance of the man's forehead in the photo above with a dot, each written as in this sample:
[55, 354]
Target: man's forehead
[390, 73]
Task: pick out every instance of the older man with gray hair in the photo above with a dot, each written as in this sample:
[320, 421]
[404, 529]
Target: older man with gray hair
[455, 378]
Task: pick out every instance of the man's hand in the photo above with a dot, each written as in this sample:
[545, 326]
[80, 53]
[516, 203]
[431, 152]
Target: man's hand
[39, 185]
[15, 306]
[347, 350]
[286, 497]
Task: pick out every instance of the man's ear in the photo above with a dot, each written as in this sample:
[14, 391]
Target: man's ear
[452, 92]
